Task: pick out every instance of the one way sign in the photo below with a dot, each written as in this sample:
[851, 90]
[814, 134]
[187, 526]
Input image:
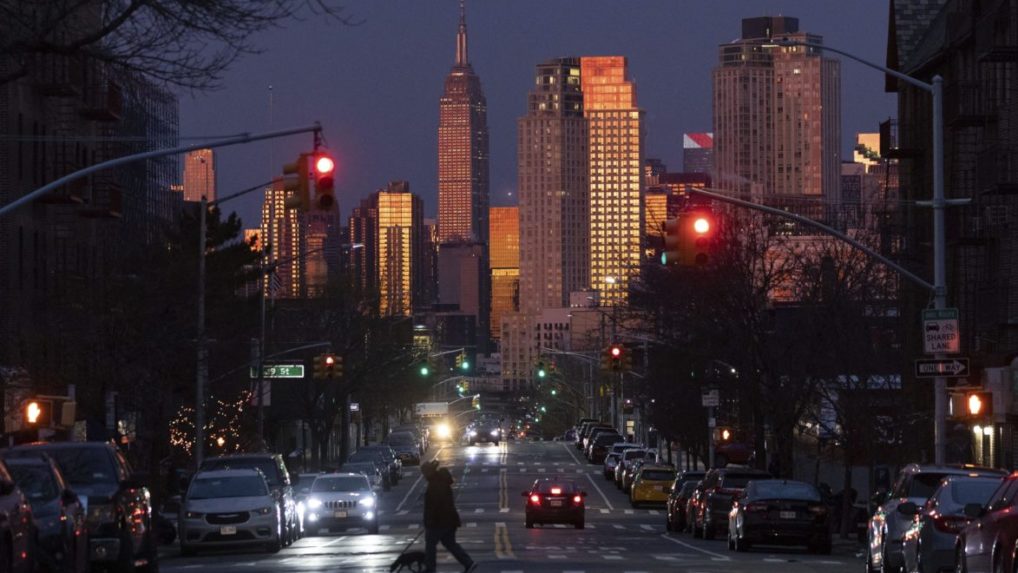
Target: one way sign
[931, 368]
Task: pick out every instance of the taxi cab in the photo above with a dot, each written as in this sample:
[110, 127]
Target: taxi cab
[651, 484]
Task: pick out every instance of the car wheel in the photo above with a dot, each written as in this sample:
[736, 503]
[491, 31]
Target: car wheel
[274, 546]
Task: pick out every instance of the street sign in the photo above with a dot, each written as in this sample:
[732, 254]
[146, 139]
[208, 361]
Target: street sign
[710, 399]
[934, 367]
[280, 371]
[940, 331]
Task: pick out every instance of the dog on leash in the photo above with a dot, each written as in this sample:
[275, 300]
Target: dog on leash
[413, 561]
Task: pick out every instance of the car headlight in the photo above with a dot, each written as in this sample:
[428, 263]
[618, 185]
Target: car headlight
[193, 515]
[494, 432]
[263, 510]
[367, 502]
[314, 503]
[472, 433]
[443, 430]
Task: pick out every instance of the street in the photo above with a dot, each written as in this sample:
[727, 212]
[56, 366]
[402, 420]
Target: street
[490, 480]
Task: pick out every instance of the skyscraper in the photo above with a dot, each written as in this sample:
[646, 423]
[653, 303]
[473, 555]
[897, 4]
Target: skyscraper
[462, 151]
[616, 137]
[284, 237]
[504, 237]
[697, 152]
[400, 248]
[200, 175]
[777, 113]
[323, 248]
[554, 191]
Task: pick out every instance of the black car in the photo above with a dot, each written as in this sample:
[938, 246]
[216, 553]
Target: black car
[58, 514]
[487, 433]
[119, 513]
[385, 457]
[779, 512]
[274, 469]
[555, 501]
[406, 446]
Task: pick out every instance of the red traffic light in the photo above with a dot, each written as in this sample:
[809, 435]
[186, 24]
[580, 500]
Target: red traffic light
[616, 351]
[324, 165]
[330, 360]
[324, 170]
[701, 225]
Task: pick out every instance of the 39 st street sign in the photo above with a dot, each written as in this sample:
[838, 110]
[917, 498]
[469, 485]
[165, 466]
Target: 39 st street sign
[934, 367]
[280, 371]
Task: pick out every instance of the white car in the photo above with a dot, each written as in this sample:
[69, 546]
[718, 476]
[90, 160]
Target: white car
[342, 501]
[223, 508]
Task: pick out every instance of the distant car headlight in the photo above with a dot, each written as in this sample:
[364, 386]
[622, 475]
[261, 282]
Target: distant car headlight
[314, 503]
[494, 433]
[367, 502]
[263, 510]
[472, 433]
[443, 430]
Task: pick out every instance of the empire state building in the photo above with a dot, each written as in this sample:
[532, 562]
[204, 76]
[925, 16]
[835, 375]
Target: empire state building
[462, 151]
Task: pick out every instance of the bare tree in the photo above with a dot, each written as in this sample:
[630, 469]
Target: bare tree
[171, 42]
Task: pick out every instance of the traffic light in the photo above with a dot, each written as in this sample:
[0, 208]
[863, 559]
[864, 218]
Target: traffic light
[461, 361]
[38, 413]
[333, 366]
[554, 391]
[722, 434]
[322, 173]
[689, 238]
[295, 180]
[541, 372]
[616, 355]
[979, 404]
[475, 402]
[424, 370]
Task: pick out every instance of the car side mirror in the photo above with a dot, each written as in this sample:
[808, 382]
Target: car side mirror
[974, 510]
[69, 497]
[908, 508]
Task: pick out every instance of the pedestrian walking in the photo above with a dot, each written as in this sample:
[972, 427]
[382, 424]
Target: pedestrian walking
[441, 518]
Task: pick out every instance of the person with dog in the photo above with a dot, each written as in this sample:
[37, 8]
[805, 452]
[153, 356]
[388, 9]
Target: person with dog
[441, 518]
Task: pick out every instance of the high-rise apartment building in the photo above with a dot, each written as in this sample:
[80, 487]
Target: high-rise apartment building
[554, 189]
[462, 151]
[285, 240]
[362, 228]
[504, 263]
[616, 138]
[200, 175]
[324, 244]
[777, 117]
[400, 248]
[697, 152]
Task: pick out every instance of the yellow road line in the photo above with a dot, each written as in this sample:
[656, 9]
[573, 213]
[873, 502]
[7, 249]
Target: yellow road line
[503, 547]
[503, 489]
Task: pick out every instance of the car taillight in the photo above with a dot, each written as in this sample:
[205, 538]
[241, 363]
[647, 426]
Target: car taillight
[950, 523]
[535, 499]
[756, 506]
[577, 499]
[556, 491]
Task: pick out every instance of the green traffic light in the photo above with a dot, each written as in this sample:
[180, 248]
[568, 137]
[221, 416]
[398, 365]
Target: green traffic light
[465, 365]
[540, 373]
[543, 409]
[424, 371]
[554, 392]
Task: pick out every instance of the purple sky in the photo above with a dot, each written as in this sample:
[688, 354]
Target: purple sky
[375, 87]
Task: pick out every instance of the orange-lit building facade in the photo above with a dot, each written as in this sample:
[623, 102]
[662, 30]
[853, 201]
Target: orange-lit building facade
[504, 237]
[200, 175]
[616, 141]
[283, 232]
[400, 248]
[462, 151]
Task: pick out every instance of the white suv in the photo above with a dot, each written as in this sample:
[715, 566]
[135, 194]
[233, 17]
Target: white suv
[341, 501]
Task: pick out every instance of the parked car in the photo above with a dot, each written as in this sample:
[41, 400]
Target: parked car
[274, 469]
[989, 542]
[601, 444]
[612, 458]
[551, 500]
[57, 513]
[915, 483]
[302, 486]
[590, 429]
[17, 525]
[720, 486]
[629, 474]
[229, 508]
[342, 500]
[367, 469]
[585, 430]
[629, 457]
[392, 460]
[406, 446]
[651, 484]
[675, 506]
[594, 435]
[779, 512]
[733, 453]
[98, 473]
[420, 435]
[930, 542]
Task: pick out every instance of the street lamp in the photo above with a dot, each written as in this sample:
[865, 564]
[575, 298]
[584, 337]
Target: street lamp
[938, 203]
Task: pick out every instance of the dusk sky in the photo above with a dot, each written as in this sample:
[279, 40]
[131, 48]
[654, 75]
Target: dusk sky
[375, 87]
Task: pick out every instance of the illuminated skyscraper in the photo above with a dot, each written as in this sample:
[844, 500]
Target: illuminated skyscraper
[200, 175]
[616, 138]
[400, 248]
[777, 117]
[284, 237]
[504, 233]
[462, 151]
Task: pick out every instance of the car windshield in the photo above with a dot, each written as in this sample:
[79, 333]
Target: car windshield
[36, 482]
[401, 440]
[267, 466]
[924, 484]
[385, 452]
[779, 490]
[605, 439]
[966, 491]
[231, 486]
[371, 457]
[658, 475]
[361, 468]
[738, 481]
[85, 466]
[340, 484]
[635, 454]
[548, 487]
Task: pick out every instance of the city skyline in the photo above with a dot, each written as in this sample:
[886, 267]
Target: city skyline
[672, 68]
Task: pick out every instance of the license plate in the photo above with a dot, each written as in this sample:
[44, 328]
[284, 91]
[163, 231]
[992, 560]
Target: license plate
[228, 530]
[555, 503]
[339, 514]
[787, 515]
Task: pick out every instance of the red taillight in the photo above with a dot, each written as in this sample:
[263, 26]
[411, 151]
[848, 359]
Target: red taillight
[756, 506]
[577, 499]
[950, 523]
[535, 499]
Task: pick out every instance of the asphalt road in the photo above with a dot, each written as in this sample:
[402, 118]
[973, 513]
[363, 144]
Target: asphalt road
[490, 479]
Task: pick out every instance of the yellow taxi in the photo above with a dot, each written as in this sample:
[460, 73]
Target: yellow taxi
[651, 484]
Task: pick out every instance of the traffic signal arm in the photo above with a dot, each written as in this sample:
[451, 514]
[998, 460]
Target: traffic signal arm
[295, 180]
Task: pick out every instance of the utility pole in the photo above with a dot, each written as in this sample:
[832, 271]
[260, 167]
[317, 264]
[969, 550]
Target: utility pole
[203, 362]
